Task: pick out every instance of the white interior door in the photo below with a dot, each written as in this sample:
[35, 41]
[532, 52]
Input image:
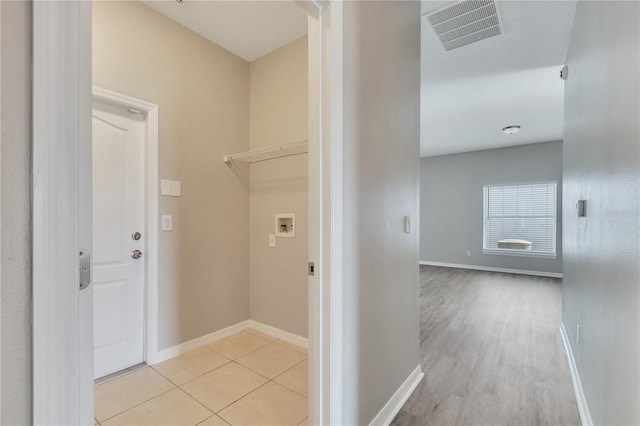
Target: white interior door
[118, 213]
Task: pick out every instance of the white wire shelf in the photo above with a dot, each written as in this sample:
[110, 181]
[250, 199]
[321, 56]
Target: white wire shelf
[270, 153]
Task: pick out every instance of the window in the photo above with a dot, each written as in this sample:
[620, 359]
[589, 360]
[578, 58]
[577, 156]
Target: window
[520, 220]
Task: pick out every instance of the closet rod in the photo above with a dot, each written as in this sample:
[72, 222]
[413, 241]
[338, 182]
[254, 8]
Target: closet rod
[269, 153]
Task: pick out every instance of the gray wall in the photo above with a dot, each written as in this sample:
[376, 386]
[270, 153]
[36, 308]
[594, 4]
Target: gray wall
[601, 286]
[15, 197]
[381, 186]
[451, 202]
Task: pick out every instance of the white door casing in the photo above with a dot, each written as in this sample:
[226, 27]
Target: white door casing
[150, 253]
[118, 212]
[61, 153]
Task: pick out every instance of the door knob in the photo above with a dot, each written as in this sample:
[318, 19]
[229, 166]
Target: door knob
[136, 254]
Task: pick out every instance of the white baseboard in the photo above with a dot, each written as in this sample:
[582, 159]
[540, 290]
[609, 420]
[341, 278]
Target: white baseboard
[492, 269]
[583, 408]
[198, 342]
[279, 334]
[398, 399]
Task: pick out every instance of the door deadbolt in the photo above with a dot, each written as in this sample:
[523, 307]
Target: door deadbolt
[136, 236]
[136, 254]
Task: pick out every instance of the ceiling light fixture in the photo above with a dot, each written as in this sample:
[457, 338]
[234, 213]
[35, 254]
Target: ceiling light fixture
[510, 130]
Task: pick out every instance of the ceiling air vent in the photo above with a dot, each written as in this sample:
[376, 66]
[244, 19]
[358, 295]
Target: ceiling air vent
[465, 22]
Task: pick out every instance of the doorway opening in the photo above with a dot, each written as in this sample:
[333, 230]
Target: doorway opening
[125, 232]
[62, 319]
[218, 322]
[492, 122]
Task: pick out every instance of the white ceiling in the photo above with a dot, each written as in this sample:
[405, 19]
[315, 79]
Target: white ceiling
[469, 94]
[249, 29]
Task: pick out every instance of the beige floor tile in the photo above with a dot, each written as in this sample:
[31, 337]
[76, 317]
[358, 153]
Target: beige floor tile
[271, 404]
[305, 422]
[214, 421]
[263, 335]
[190, 365]
[223, 386]
[125, 392]
[172, 408]
[271, 360]
[292, 346]
[239, 344]
[296, 378]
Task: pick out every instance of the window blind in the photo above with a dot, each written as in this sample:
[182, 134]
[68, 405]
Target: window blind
[521, 212]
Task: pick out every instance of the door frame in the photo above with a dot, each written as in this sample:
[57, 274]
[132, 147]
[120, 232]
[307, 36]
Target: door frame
[150, 112]
[62, 95]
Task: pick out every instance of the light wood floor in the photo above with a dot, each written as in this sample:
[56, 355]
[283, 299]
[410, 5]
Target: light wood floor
[491, 352]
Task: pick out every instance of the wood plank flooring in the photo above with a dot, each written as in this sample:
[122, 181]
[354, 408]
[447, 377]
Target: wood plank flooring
[491, 352]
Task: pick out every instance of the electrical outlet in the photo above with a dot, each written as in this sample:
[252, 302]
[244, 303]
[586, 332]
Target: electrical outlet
[468, 253]
[578, 333]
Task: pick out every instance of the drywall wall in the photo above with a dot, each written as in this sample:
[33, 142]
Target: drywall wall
[381, 186]
[451, 202]
[15, 197]
[202, 92]
[601, 285]
[279, 100]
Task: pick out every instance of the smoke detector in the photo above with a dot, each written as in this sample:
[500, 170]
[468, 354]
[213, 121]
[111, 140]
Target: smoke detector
[465, 23]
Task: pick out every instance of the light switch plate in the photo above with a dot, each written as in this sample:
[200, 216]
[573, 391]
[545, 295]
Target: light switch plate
[272, 240]
[167, 222]
[407, 224]
[170, 188]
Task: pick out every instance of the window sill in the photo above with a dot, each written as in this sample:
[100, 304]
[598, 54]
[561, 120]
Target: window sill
[519, 253]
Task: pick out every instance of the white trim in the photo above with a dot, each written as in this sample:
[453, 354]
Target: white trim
[61, 156]
[519, 253]
[333, 180]
[150, 111]
[325, 220]
[198, 342]
[583, 408]
[398, 399]
[492, 269]
[294, 339]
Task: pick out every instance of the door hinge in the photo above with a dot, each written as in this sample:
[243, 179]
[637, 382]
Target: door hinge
[85, 269]
[311, 269]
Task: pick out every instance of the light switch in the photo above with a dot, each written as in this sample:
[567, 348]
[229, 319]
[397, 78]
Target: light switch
[175, 188]
[272, 240]
[167, 222]
[165, 187]
[407, 224]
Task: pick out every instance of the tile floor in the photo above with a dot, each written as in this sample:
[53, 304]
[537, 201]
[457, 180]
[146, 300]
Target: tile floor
[248, 378]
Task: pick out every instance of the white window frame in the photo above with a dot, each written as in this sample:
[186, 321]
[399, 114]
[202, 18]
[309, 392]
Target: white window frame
[515, 252]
